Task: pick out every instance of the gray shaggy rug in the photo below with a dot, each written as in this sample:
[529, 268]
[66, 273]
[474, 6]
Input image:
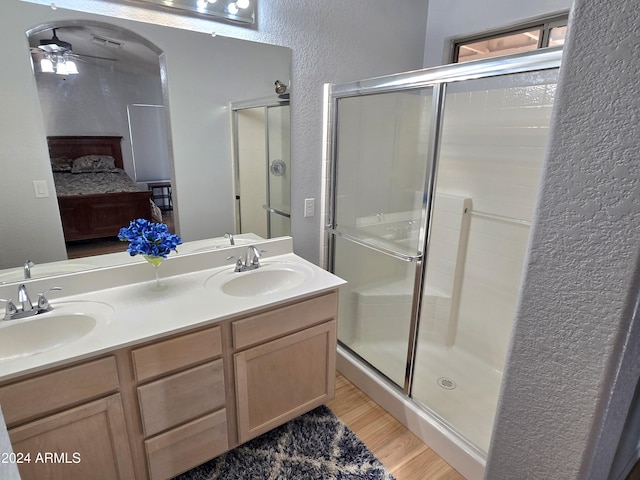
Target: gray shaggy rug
[314, 446]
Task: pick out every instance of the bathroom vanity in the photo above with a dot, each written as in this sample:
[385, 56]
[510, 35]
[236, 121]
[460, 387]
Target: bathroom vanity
[168, 380]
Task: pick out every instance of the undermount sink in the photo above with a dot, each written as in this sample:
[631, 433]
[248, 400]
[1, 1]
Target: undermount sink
[66, 323]
[269, 278]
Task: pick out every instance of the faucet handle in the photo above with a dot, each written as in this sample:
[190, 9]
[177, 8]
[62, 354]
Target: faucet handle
[43, 303]
[10, 309]
[239, 263]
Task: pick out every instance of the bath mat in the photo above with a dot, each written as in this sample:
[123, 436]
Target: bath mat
[314, 446]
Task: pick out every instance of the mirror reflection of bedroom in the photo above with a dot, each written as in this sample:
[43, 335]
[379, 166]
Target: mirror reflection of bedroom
[106, 132]
[102, 107]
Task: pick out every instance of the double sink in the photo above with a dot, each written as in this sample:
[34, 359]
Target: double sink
[69, 321]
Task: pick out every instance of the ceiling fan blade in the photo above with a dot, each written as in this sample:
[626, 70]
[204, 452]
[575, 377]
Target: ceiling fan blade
[93, 56]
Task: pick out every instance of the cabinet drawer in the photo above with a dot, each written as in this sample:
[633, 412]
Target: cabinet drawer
[52, 391]
[187, 446]
[176, 353]
[181, 397]
[281, 321]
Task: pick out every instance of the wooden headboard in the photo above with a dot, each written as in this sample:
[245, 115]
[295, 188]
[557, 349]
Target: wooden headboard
[77, 146]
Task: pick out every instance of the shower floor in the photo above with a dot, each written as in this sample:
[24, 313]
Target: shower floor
[457, 387]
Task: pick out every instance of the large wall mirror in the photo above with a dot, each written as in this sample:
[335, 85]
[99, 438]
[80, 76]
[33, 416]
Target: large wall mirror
[167, 92]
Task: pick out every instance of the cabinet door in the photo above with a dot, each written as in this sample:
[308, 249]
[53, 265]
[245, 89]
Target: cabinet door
[284, 378]
[78, 443]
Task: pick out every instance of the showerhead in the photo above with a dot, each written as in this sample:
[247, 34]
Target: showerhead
[281, 88]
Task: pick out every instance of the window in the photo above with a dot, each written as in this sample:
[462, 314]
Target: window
[545, 33]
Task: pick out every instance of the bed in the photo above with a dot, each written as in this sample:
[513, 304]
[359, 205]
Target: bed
[95, 196]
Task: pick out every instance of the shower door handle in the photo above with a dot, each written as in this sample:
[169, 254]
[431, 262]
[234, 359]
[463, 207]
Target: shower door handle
[277, 212]
[377, 248]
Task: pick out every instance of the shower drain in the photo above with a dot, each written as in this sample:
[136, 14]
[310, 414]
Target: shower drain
[447, 383]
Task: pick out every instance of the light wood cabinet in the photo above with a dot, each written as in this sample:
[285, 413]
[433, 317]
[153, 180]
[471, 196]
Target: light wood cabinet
[281, 379]
[190, 445]
[176, 353]
[76, 444]
[158, 409]
[181, 401]
[32, 398]
[173, 400]
[59, 422]
[281, 321]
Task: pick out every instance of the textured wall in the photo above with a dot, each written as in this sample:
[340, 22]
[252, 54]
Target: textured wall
[554, 421]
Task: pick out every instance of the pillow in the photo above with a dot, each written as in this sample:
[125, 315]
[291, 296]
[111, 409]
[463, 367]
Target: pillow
[94, 163]
[61, 164]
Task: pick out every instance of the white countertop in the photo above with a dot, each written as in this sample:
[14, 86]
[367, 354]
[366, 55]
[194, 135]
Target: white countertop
[140, 314]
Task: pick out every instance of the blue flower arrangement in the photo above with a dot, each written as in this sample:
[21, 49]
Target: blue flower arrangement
[152, 240]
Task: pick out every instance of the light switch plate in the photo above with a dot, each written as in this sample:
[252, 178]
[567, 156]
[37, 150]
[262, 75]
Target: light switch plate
[40, 189]
[309, 207]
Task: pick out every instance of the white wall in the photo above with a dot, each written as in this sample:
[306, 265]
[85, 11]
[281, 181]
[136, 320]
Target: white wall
[94, 102]
[455, 18]
[573, 364]
[332, 41]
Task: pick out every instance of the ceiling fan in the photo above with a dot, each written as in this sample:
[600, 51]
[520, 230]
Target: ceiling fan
[56, 49]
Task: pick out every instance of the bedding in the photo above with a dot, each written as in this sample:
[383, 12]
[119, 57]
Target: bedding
[68, 183]
[95, 195]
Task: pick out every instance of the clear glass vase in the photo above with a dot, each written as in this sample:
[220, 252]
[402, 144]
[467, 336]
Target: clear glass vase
[156, 261]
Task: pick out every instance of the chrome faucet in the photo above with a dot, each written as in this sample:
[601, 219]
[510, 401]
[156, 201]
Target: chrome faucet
[27, 269]
[23, 298]
[11, 312]
[251, 259]
[230, 237]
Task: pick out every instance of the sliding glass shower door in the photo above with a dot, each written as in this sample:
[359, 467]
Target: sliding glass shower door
[435, 177]
[379, 208]
[491, 150]
[263, 173]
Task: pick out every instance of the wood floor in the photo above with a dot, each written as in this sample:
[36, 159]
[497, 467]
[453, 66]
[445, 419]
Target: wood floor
[404, 454]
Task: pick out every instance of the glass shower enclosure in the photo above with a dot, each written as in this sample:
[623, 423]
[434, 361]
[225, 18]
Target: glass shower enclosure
[434, 177]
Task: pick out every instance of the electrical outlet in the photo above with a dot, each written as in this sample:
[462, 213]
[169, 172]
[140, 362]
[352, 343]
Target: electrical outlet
[309, 207]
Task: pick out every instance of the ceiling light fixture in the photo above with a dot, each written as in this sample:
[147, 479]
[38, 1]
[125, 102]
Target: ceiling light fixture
[58, 63]
[46, 66]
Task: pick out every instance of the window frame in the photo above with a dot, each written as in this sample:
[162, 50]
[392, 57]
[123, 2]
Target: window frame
[545, 24]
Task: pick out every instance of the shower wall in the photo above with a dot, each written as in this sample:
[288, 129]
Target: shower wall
[493, 141]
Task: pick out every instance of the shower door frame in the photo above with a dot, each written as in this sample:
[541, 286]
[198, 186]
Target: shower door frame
[436, 78]
[265, 103]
